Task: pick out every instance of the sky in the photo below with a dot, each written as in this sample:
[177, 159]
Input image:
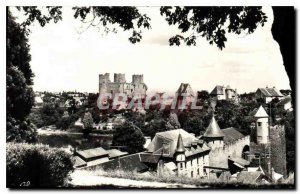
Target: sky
[68, 56]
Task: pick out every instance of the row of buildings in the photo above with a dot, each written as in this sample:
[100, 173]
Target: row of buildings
[223, 154]
[220, 92]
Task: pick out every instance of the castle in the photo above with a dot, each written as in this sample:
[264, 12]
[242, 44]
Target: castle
[136, 88]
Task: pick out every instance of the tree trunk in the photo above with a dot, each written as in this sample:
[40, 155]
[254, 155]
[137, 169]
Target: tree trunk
[283, 31]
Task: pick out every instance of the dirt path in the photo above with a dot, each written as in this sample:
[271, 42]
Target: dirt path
[85, 180]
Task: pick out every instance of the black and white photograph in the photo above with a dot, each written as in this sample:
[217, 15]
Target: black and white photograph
[150, 97]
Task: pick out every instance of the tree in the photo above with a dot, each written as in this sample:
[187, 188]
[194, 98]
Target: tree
[87, 123]
[19, 94]
[154, 126]
[129, 137]
[51, 114]
[172, 122]
[203, 95]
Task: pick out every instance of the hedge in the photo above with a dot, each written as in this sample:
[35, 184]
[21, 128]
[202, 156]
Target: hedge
[37, 166]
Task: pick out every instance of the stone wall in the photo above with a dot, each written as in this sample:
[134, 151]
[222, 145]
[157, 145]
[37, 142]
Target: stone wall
[278, 149]
[219, 157]
[135, 88]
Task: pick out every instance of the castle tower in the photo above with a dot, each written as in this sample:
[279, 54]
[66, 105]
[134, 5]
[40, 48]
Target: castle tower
[229, 92]
[103, 82]
[213, 135]
[262, 126]
[180, 156]
[119, 78]
[137, 79]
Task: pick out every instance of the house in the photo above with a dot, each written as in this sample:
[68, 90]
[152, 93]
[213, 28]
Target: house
[38, 102]
[93, 156]
[178, 152]
[224, 93]
[285, 103]
[268, 94]
[185, 92]
[258, 176]
[78, 124]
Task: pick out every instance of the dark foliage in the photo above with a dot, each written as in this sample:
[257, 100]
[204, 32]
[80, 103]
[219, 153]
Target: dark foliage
[36, 166]
[19, 94]
[128, 137]
[210, 22]
[203, 95]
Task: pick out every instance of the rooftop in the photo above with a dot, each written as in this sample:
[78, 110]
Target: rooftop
[115, 153]
[166, 143]
[270, 92]
[92, 153]
[213, 129]
[185, 88]
[127, 163]
[261, 112]
[231, 134]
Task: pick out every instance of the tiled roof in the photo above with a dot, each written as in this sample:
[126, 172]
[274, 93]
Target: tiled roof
[79, 162]
[218, 90]
[213, 129]
[196, 150]
[168, 140]
[180, 146]
[261, 112]
[115, 153]
[150, 157]
[248, 177]
[270, 92]
[127, 163]
[92, 153]
[240, 161]
[183, 88]
[231, 135]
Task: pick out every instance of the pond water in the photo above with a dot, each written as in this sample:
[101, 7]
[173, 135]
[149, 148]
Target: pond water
[76, 140]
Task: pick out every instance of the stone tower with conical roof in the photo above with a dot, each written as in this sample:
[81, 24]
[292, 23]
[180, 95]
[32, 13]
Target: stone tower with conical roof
[180, 156]
[213, 135]
[262, 126]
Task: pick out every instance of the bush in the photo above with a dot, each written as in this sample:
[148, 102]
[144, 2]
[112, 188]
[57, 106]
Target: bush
[129, 137]
[20, 131]
[36, 166]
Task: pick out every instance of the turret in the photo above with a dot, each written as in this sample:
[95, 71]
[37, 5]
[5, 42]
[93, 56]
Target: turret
[262, 126]
[137, 79]
[229, 92]
[213, 135]
[119, 78]
[103, 82]
[180, 155]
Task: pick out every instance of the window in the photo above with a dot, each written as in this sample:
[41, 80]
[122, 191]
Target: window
[258, 124]
[259, 137]
[198, 171]
[181, 165]
[256, 155]
[192, 174]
